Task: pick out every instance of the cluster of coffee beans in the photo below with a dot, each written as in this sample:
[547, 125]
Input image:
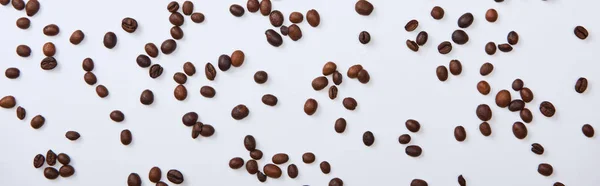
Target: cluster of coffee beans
[155, 176]
[190, 119]
[9, 102]
[50, 172]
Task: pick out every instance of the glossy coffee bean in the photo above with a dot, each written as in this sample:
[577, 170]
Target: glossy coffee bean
[272, 171]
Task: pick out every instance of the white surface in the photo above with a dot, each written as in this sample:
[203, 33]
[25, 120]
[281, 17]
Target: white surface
[548, 57]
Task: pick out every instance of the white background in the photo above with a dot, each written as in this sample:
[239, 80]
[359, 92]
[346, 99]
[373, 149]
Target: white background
[548, 57]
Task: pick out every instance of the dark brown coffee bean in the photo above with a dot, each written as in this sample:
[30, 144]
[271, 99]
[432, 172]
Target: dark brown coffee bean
[117, 116]
[275, 17]
[236, 10]
[8, 102]
[155, 71]
[340, 125]
[364, 37]
[90, 78]
[445, 47]
[87, 64]
[412, 125]
[581, 32]
[526, 94]
[252, 5]
[465, 20]
[329, 68]
[197, 129]
[581, 85]
[126, 137]
[51, 30]
[313, 18]
[455, 67]
[187, 8]
[237, 58]
[294, 32]
[72, 135]
[337, 78]
[23, 23]
[292, 171]
[197, 17]
[20, 112]
[437, 12]
[134, 180]
[32, 7]
[485, 129]
[37, 122]
[308, 157]
[284, 30]
[269, 99]
[38, 161]
[413, 150]
[558, 184]
[18, 4]
[261, 77]
[129, 24]
[505, 47]
[349, 103]
[180, 92]
[503, 98]
[110, 40]
[442, 73]
[66, 171]
[180, 78]
[236, 163]
[310, 106]
[325, 167]
[155, 174]
[519, 130]
[490, 48]
[486, 69]
[319, 83]
[50, 172]
[499, 1]
[12, 73]
[175, 176]
[176, 33]
[4, 2]
[261, 177]
[51, 158]
[173, 6]
[336, 182]
[23, 50]
[168, 46]
[49, 49]
[64, 158]
[273, 37]
[240, 112]
[333, 91]
[526, 115]
[537, 149]
[516, 105]
[412, 45]
[547, 109]
[207, 130]
[363, 7]
[368, 138]
[588, 130]
[147, 97]
[422, 38]
[353, 71]
[512, 38]
[491, 15]
[484, 113]
[224, 62]
[250, 143]
[517, 84]
[207, 91]
[76, 37]
[545, 169]
[483, 87]
[176, 19]
[252, 166]
[460, 134]
[48, 63]
[418, 182]
[265, 7]
[280, 158]
[151, 50]
[460, 37]
[102, 91]
[271, 170]
[256, 154]
[363, 76]
[296, 17]
[404, 139]
[210, 72]
[411, 25]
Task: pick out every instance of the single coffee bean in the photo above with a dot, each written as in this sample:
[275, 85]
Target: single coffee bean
[333, 91]
[412, 45]
[21, 113]
[51, 158]
[180, 92]
[280, 158]
[66, 171]
[271, 170]
[499, 1]
[526, 115]
[413, 150]
[516, 105]
[588, 130]
[460, 134]
[353, 71]
[329, 68]
[455, 67]
[483, 112]
[197, 17]
[176, 19]
[512, 38]
[12, 73]
[442, 73]
[505, 47]
[325, 167]
[526, 94]
[155, 174]
[461, 181]
[180, 78]
[237, 58]
[581, 32]
[581, 85]
[236, 10]
[90, 78]
[239, 112]
[147, 97]
[210, 72]
[537, 149]
[23, 23]
[197, 129]
[175, 176]
[337, 78]
[485, 129]
[38, 161]
[51, 30]
[465, 20]
[296, 17]
[308, 157]
[187, 8]
[437, 12]
[48, 63]
[418, 182]
[207, 130]
[519, 130]
[368, 138]
[517, 84]
[503, 98]
[483, 87]
[261, 77]
[252, 5]
[168, 46]
[310, 106]
[117, 116]
[294, 32]
[126, 137]
[490, 48]
[18, 4]
[445, 47]
[76, 37]
[189, 69]
[110, 40]
[256, 154]
[404, 139]
[319, 83]
[176, 32]
[460, 37]
[269, 99]
[364, 37]
[265, 7]
[363, 7]
[250, 143]
[411, 25]
[349, 103]
[284, 30]
[252, 166]
[64, 158]
[129, 24]
[87, 64]
[547, 109]
[273, 37]
[486, 69]
[422, 38]
[155, 71]
[134, 180]
[72, 135]
[207, 91]
[558, 184]
[37, 122]
[340, 125]
[4, 2]
[491, 15]
[173, 6]
[49, 49]
[261, 177]
[8, 102]
[23, 50]
[151, 50]
[363, 76]
[32, 7]
[313, 18]
[336, 182]
[545, 169]
[292, 171]
[102, 91]
[275, 17]
[50, 172]
[412, 125]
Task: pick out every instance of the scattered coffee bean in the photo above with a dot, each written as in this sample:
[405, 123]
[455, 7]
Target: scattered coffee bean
[147, 97]
[250, 143]
[23, 23]
[411, 25]
[38, 161]
[310, 106]
[90, 78]
[197, 17]
[588, 130]
[12, 73]
[126, 137]
[349, 103]
[484, 113]
[491, 15]
[490, 48]
[363, 7]
[412, 45]
[32, 7]
[8, 102]
[72, 135]
[325, 167]
[49, 49]
[483, 87]
[207, 91]
[252, 6]
[296, 17]
[261, 177]
[151, 50]
[516, 105]
[526, 94]
[155, 174]
[176, 19]
[50, 172]
[460, 37]
[519, 130]
[173, 6]
[526, 115]
[269, 99]
[276, 18]
[87, 64]
[134, 180]
[18, 4]
[64, 158]
[442, 73]
[462, 181]
[37, 122]
[354, 70]
[292, 171]
[313, 18]
[20, 112]
[265, 7]
[51, 30]
[333, 91]
[284, 30]
[236, 163]
[537, 149]
[237, 58]
[465, 20]
[505, 47]
[51, 158]
[363, 76]
[503, 98]
[413, 150]
[66, 171]
[273, 37]
[187, 8]
[337, 78]
[180, 78]
[252, 166]
[48, 63]
[512, 38]
[102, 91]
[23, 50]
[558, 184]
[485, 129]
[168, 46]
[412, 125]
[547, 109]
[445, 47]
[418, 182]
[545, 169]
[319, 83]
[155, 71]
[261, 77]
[404, 139]
[207, 130]
[455, 67]
[110, 40]
[129, 24]
[117, 116]
[340, 125]
[581, 85]
[176, 32]
[236, 10]
[197, 129]
[329, 68]
[256, 154]
[308, 157]
[460, 134]
[175, 176]
[76, 37]
[364, 37]
[422, 38]
[240, 112]
[581, 32]
[180, 92]
[294, 32]
[517, 84]
[437, 12]
[271, 170]
[368, 138]
[280, 158]
[210, 72]
[336, 182]
[4, 2]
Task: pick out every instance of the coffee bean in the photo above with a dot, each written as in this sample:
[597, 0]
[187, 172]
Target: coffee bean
[87, 64]
[50, 172]
[72, 135]
[499, 1]
[353, 71]
[505, 47]
[250, 143]
[256, 154]
[340, 125]
[422, 38]
[333, 91]
[310, 106]
[308, 157]
[160, 183]
[90, 78]
[581, 85]
[337, 78]
[32, 7]
[519, 130]
[38, 161]
[329, 68]
[76, 37]
[126, 137]
[460, 37]
[180, 92]
[155, 71]
[349, 103]
[412, 45]
[271, 170]
[175, 176]
[252, 166]
[269, 99]
[325, 167]
[313, 18]
[51, 158]
[236, 10]
[411, 25]
[485, 129]
[442, 73]
[404, 139]
[445, 47]
[280, 158]
[517, 84]
[23, 23]
[512, 38]
[261, 177]
[207, 130]
[37, 122]
[265, 7]
[66, 171]
[412, 125]
[483, 87]
[484, 113]
[491, 15]
[465, 20]
[363, 76]
[134, 180]
[12, 73]
[20, 112]
[210, 72]
[49, 49]
[292, 171]
[117, 116]
[180, 78]
[284, 30]
[102, 91]
[129, 24]
[537, 149]
[8, 102]
[526, 115]
[173, 6]
[207, 91]
[23, 50]
[490, 48]
[319, 83]
[336, 182]
[187, 8]
[418, 182]
[455, 67]
[296, 17]
[437, 12]
[155, 174]
[252, 5]
[51, 30]
[168, 46]
[4, 2]
[197, 17]
[413, 150]
[151, 50]
[48, 63]
[364, 37]
[363, 7]
[237, 58]
[516, 105]
[261, 77]
[545, 169]
[273, 37]
[176, 32]
[581, 32]
[294, 32]
[197, 129]
[64, 159]
[558, 184]
[461, 181]
[176, 19]
[276, 18]
[460, 134]
[18, 4]
[368, 138]
[503, 98]
[239, 112]
[110, 40]
[526, 94]
[147, 97]
[588, 130]
[547, 109]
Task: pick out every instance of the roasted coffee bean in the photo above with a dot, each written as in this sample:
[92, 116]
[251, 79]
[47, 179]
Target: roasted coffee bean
[517, 84]
[284, 30]
[37, 122]
[12, 73]
[581, 32]
[455, 67]
[319, 83]
[261, 177]
[18, 4]
[51, 30]
[296, 17]
[126, 137]
[537, 149]
[460, 37]
[337, 78]
[526, 115]
[276, 18]
[280, 158]
[503, 98]
[442, 73]
[437, 12]
[134, 180]
[261, 77]
[50, 172]
[32, 7]
[353, 71]
[483, 87]
[336, 182]
[117, 116]
[250, 143]
[90, 78]
[581, 85]
[422, 38]
[484, 113]
[180, 92]
[87, 64]
[48, 63]
[155, 71]
[294, 32]
[516, 105]
[310, 106]
[197, 129]
[485, 129]
[333, 91]
[168, 46]
[147, 97]
[236, 10]
[180, 78]
[64, 159]
[545, 169]
[110, 40]
[23, 50]
[151, 50]
[269, 99]
[197, 17]
[526, 94]
[210, 72]
[547, 109]
[313, 18]
[237, 58]
[349, 103]
[418, 182]
[175, 176]
[72, 135]
[23, 23]
[240, 112]
[462, 181]
[252, 5]
[21, 113]
[236, 163]
[499, 1]
[588, 130]
[256, 154]
[363, 7]
[207, 130]
[363, 76]
[368, 138]
[173, 6]
[340, 125]
[292, 171]
[329, 68]
[207, 91]
[558, 184]
[155, 174]
[102, 91]
[252, 166]
[76, 37]
[271, 170]
[486, 69]
[66, 171]
[519, 130]
[445, 47]
[460, 134]
[51, 158]
[265, 7]
[189, 69]
[176, 19]
[187, 8]
[176, 32]
[490, 48]
[364, 37]
[512, 38]
[38, 161]
[412, 45]
[8, 102]
[4, 2]
[404, 139]
[273, 37]
[411, 25]
[465, 20]
[413, 150]
[129, 24]
[49, 49]
[412, 125]
[325, 167]
[505, 47]
[308, 157]
[491, 15]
